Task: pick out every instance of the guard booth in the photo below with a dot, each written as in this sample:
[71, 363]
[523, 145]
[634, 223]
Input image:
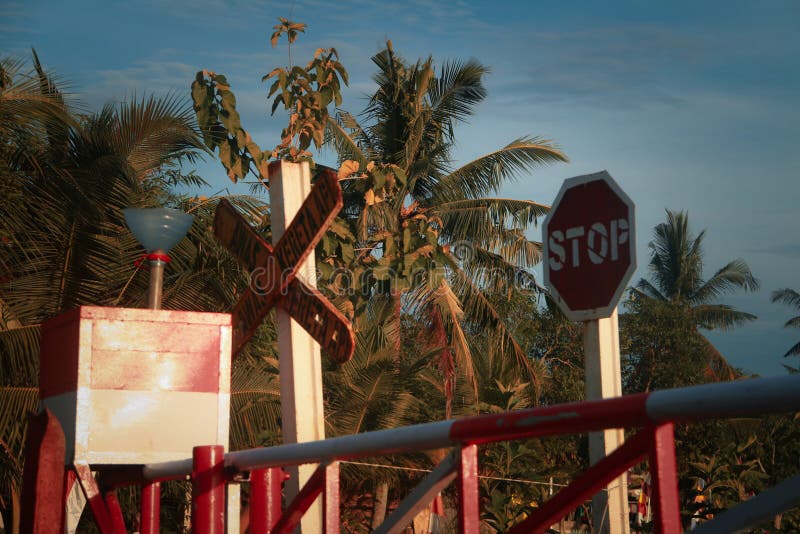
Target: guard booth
[133, 386]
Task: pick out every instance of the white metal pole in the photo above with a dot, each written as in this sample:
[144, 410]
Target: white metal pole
[604, 380]
[156, 287]
[299, 355]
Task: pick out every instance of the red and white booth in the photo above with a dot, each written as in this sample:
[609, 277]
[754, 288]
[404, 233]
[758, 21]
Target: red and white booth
[133, 386]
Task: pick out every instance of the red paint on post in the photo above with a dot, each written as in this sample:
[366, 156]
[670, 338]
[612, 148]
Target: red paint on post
[102, 517]
[587, 484]
[305, 498]
[663, 472]
[266, 486]
[151, 508]
[115, 512]
[572, 418]
[58, 355]
[42, 480]
[469, 516]
[208, 490]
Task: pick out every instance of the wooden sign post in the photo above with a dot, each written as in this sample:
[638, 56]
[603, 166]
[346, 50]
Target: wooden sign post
[286, 275]
[589, 250]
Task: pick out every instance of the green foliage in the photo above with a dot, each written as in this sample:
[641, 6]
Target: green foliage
[790, 297]
[305, 93]
[736, 459]
[221, 127]
[661, 346]
[428, 237]
[681, 302]
[676, 266]
[286, 27]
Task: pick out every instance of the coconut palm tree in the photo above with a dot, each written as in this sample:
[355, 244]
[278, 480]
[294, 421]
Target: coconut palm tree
[65, 243]
[676, 268]
[789, 297]
[427, 232]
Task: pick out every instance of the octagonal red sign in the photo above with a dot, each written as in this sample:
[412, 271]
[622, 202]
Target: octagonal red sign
[589, 246]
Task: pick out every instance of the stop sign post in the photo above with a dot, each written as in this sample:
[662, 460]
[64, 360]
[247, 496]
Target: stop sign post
[589, 250]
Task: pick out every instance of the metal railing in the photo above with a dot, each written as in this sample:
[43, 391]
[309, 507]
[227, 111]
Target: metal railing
[654, 414]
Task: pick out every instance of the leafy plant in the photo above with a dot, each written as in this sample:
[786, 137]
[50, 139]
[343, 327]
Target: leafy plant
[305, 92]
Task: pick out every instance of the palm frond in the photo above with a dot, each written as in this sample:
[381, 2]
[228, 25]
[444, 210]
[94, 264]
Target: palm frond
[734, 275]
[255, 402]
[787, 296]
[449, 309]
[718, 367]
[647, 290]
[720, 316]
[794, 351]
[346, 144]
[457, 90]
[488, 173]
[463, 219]
[19, 356]
[30, 107]
[370, 392]
[676, 261]
[15, 403]
[497, 273]
[152, 132]
[480, 312]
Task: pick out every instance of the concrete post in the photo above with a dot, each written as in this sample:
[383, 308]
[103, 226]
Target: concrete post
[604, 380]
[300, 361]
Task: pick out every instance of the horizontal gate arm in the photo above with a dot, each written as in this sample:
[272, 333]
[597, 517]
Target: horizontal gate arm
[757, 396]
[763, 506]
[421, 496]
[590, 482]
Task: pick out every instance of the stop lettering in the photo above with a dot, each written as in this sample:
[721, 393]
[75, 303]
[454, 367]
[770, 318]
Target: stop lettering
[599, 243]
[589, 246]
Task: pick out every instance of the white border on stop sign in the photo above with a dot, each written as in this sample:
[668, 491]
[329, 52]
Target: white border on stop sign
[606, 311]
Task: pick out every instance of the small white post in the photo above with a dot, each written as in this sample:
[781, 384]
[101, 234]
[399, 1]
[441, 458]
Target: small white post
[604, 380]
[299, 355]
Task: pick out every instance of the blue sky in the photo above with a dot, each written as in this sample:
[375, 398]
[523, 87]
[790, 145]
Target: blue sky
[689, 105]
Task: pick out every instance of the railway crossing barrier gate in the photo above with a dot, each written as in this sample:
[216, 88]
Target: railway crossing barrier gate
[651, 418]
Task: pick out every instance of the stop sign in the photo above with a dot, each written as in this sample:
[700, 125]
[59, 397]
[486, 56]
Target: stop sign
[589, 246]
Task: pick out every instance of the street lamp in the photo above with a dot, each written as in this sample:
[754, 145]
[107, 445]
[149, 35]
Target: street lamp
[158, 230]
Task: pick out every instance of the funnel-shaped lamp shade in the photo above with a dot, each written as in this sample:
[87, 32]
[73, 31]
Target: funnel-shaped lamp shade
[158, 228]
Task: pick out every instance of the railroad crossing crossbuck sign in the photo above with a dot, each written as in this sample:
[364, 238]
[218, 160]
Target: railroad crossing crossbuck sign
[274, 272]
[589, 246]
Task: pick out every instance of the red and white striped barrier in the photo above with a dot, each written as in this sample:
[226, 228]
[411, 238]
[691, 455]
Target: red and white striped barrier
[653, 413]
[711, 401]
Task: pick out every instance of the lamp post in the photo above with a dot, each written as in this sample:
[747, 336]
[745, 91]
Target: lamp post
[158, 230]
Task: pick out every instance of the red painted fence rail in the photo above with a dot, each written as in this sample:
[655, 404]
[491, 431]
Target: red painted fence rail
[654, 414]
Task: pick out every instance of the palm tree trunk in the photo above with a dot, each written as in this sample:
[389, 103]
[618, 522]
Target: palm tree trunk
[396, 339]
[380, 502]
[446, 364]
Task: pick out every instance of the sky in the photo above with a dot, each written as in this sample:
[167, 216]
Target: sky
[688, 105]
